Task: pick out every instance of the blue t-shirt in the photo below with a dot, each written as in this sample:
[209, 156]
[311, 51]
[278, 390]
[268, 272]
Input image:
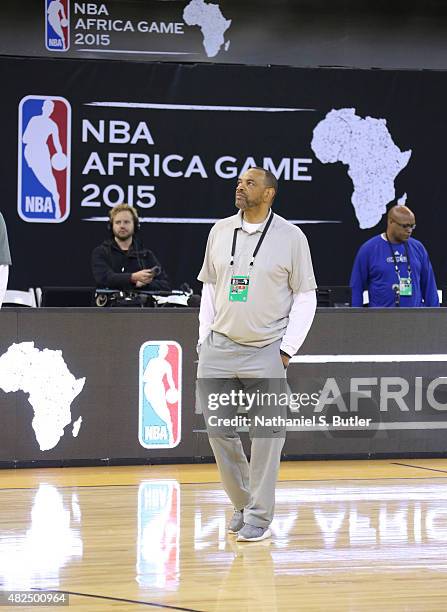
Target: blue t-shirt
[374, 270]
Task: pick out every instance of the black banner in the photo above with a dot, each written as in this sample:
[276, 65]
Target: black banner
[402, 34]
[172, 139]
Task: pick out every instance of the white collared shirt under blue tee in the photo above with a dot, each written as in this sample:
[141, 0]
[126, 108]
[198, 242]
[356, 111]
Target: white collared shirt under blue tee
[374, 270]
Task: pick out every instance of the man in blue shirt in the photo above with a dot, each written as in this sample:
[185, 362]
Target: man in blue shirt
[394, 267]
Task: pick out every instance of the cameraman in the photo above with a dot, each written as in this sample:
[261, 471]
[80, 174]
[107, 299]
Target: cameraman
[122, 261]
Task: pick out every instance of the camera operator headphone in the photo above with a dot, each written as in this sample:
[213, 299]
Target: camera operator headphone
[123, 208]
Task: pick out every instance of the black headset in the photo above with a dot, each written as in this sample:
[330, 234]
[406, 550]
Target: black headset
[136, 220]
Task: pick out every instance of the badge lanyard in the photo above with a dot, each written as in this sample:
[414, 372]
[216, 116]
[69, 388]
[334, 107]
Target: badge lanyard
[239, 284]
[405, 287]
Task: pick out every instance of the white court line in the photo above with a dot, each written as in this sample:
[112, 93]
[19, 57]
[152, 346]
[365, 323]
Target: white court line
[200, 220]
[200, 107]
[368, 358]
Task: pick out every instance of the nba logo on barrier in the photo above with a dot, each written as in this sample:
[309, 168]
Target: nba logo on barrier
[43, 189]
[158, 533]
[160, 394]
[57, 25]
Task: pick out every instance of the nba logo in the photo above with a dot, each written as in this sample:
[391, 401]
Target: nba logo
[43, 181]
[159, 422]
[57, 25]
[158, 533]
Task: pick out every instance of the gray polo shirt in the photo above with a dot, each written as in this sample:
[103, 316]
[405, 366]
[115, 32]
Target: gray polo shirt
[5, 255]
[282, 267]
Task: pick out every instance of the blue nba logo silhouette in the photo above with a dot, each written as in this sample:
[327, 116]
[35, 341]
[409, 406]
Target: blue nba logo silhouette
[57, 25]
[160, 376]
[43, 194]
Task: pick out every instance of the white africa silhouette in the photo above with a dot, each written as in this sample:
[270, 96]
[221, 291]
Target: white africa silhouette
[37, 153]
[154, 389]
[57, 18]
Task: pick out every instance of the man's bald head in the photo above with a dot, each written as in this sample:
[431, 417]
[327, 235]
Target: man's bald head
[400, 212]
[401, 223]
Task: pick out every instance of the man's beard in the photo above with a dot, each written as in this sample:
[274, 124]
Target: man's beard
[123, 237]
[245, 204]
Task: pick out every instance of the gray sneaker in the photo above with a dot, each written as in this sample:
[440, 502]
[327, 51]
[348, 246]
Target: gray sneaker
[237, 522]
[250, 533]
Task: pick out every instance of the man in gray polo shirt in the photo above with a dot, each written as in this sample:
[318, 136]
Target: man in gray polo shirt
[258, 303]
[5, 259]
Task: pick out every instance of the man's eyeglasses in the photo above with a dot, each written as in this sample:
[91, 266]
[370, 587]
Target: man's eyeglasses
[411, 226]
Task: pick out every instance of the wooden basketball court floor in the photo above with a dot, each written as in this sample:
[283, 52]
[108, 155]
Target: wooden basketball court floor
[347, 535]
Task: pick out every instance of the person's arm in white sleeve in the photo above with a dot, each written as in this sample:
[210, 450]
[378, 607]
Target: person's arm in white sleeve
[207, 311]
[4, 273]
[300, 320]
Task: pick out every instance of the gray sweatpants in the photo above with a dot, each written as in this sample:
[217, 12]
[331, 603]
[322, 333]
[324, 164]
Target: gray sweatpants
[249, 486]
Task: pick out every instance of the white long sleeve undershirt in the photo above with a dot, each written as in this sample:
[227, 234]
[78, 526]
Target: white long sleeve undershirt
[300, 317]
[207, 311]
[4, 273]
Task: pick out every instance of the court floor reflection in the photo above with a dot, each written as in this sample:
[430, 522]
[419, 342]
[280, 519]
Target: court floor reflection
[360, 523]
[45, 537]
[158, 533]
[343, 545]
[336, 546]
